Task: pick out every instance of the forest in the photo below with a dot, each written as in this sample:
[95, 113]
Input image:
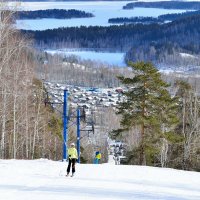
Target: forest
[183, 5]
[143, 20]
[52, 13]
[159, 19]
[175, 16]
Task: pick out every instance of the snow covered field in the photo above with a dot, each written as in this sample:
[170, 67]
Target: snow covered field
[45, 180]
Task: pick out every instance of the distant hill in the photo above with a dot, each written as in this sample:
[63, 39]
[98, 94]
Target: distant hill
[153, 42]
[125, 36]
[186, 5]
[159, 19]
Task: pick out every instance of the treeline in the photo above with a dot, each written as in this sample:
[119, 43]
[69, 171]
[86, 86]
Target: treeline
[159, 19]
[144, 20]
[168, 55]
[113, 37]
[165, 4]
[73, 70]
[52, 13]
[175, 16]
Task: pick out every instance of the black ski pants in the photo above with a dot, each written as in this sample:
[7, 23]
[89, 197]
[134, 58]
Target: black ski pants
[72, 162]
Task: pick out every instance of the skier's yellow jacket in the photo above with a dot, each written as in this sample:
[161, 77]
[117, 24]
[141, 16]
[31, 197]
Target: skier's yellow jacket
[72, 152]
[98, 156]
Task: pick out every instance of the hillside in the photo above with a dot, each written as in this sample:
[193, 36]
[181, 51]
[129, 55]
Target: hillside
[188, 5]
[125, 36]
[45, 179]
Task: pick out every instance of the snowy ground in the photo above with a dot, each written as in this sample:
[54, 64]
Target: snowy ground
[45, 180]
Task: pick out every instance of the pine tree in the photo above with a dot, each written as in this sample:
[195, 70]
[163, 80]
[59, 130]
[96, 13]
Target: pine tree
[148, 105]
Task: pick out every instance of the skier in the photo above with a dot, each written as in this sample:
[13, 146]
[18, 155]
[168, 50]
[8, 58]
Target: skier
[73, 156]
[97, 157]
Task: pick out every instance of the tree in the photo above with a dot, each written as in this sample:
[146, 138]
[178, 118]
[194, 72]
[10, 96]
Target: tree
[24, 119]
[189, 126]
[149, 108]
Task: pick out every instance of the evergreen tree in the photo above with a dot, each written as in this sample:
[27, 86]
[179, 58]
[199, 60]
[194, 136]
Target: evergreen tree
[148, 106]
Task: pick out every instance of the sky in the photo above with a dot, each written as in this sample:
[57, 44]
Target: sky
[45, 180]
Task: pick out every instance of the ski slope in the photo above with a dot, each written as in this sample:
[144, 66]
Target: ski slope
[45, 180]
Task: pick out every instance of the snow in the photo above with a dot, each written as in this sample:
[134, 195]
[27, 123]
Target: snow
[45, 180]
[186, 55]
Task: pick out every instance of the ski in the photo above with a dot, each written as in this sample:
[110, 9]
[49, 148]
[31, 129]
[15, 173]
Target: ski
[67, 175]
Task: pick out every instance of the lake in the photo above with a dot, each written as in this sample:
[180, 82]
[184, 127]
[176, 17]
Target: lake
[103, 10]
[111, 58]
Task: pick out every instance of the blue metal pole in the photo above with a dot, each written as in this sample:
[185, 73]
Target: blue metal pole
[78, 134]
[65, 121]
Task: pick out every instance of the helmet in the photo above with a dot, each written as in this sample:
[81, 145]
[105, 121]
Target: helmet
[72, 144]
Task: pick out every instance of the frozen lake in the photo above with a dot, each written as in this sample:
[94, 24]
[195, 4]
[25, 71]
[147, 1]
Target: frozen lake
[111, 58]
[103, 10]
